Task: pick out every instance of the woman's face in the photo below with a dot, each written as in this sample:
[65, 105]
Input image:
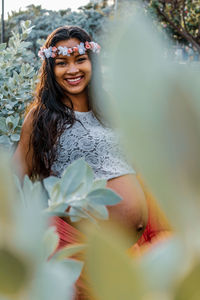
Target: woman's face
[72, 73]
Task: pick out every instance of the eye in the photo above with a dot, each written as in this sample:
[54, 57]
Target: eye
[81, 59]
[60, 63]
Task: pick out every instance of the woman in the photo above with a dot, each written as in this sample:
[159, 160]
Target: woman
[64, 125]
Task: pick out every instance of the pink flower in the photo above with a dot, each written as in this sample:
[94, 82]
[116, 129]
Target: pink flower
[70, 50]
[53, 54]
[54, 49]
[75, 49]
[87, 45]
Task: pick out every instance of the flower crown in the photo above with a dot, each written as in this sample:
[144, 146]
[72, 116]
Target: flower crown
[80, 48]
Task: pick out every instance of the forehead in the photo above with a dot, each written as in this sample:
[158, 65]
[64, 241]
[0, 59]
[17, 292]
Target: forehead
[68, 43]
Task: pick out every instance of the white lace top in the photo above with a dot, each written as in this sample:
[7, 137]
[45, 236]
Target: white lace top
[99, 146]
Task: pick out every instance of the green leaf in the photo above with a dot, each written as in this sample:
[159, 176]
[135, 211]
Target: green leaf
[112, 273]
[76, 214]
[27, 23]
[19, 188]
[2, 46]
[98, 211]
[3, 127]
[189, 286]
[68, 251]
[56, 196]
[74, 267]
[56, 280]
[104, 197]
[165, 264]
[51, 241]
[15, 137]
[27, 187]
[9, 123]
[50, 183]
[13, 273]
[59, 207]
[78, 177]
[4, 139]
[99, 184]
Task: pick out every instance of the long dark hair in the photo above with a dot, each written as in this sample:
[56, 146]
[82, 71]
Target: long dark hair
[50, 115]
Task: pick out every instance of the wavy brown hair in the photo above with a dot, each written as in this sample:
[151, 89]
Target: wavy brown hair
[50, 115]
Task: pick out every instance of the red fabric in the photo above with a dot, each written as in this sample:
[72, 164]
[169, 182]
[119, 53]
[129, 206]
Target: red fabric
[158, 226]
[67, 233]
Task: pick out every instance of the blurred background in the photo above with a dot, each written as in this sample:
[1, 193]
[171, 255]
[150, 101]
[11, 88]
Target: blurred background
[178, 20]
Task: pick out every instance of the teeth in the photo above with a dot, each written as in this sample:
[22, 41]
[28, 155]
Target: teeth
[73, 80]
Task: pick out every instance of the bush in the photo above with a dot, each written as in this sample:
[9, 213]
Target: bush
[17, 81]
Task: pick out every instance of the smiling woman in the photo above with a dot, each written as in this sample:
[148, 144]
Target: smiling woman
[64, 125]
[73, 73]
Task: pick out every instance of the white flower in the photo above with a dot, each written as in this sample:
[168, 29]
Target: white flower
[81, 48]
[63, 51]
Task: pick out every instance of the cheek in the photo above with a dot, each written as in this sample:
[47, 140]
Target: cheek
[89, 70]
[57, 73]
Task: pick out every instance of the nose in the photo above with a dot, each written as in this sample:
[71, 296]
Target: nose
[72, 69]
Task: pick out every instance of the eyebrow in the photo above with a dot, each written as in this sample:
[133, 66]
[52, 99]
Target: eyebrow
[67, 56]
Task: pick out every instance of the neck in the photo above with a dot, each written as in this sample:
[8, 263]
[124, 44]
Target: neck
[80, 101]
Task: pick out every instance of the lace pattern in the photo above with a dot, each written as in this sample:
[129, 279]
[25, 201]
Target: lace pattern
[99, 146]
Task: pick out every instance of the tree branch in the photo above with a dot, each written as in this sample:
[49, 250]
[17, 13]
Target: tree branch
[180, 30]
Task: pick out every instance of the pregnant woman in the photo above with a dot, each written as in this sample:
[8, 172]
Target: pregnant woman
[64, 124]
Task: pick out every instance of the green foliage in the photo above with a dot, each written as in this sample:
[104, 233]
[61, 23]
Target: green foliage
[25, 244]
[92, 20]
[157, 106]
[78, 191]
[180, 19]
[17, 80]
[111, 272]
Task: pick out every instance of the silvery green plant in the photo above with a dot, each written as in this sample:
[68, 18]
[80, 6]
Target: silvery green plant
[26, 243]
[17, 80]
[78, 193]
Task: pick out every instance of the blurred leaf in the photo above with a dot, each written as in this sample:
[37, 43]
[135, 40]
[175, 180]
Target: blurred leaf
[51, 241]
[15, 137]
[152, 108]
[2, 46]
[49, 183]
[3, 124]
[165, 263]
[7, 196]
[99, 211]
[61, 275]
[68, 251]
[112, 274]
[189, 287]
[13, 273]
[9, 123]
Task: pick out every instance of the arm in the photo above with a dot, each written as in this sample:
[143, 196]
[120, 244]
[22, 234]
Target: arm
[132, 210]
[22, 158]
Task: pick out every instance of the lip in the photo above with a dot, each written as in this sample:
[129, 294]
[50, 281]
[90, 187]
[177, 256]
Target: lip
[75, 82]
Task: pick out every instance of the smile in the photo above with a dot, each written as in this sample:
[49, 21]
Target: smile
[74, 81]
